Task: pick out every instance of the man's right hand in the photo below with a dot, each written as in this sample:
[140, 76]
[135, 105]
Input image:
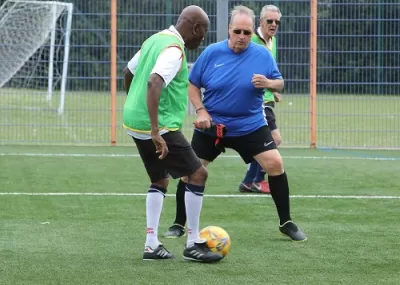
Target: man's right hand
[203, 120]
[160, 144]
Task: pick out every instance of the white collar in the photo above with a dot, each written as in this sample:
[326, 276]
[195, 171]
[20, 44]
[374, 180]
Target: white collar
[172, 29]
[269, 43]
[260, 33]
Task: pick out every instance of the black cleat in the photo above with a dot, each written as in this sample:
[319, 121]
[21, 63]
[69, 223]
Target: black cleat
[159, 253]
[201, 253]
[175, 231]
[291, 230]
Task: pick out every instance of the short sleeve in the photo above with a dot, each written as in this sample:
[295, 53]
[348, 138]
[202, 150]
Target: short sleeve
[195, 76]
[168, 64]
[132, 64]
[273, 71]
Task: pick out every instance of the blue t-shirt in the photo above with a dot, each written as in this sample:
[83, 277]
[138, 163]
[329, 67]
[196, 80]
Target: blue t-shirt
[229, 97]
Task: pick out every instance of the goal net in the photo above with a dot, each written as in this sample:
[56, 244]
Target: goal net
[34, 47]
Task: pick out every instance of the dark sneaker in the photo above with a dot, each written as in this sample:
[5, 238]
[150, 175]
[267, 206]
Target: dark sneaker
[159, 253]
[175, 231]
[201, 253]
[243, 187]
[291, 230]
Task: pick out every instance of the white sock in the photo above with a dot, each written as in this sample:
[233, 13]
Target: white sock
[193, 208]
[154, 204]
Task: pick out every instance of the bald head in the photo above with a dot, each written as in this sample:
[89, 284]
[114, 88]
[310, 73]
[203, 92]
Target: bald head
[195, 14]
[192, 24]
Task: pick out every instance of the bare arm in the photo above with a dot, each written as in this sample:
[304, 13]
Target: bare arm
[167, 66]
[154, 87]
[195, 97]
[274, 85]
[204, 119]
[128, 76]
[129, 71]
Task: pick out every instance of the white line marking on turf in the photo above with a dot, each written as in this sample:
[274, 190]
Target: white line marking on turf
[209, 195]
[222, 156]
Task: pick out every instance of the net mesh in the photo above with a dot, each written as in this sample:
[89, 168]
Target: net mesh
[25, 43]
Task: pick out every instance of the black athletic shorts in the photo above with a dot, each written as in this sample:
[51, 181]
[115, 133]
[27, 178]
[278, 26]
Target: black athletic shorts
[246, 146]
[180, 161]
[270, 115]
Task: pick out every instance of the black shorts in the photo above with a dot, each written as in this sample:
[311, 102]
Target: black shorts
[180, 161]
[246, 146]
[270, 115]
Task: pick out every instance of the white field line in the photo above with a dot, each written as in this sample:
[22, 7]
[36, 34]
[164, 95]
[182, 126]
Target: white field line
[247, 196]
[222, 156]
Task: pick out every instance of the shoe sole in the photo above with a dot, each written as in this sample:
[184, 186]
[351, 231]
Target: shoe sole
[261, 192]
[285, 235]
[156, 259]
[253, 191]
[244, 191]
[201, 261]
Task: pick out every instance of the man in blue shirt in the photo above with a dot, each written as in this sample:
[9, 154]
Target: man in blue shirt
[235, 74]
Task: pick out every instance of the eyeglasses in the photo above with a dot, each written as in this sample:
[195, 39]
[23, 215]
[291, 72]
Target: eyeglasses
[270, 21]
[245, 32]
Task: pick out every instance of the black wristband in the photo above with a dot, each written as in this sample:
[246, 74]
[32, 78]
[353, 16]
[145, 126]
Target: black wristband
[201, 108]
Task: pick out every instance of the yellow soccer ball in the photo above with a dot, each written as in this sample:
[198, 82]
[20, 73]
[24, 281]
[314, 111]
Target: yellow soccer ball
[218, 240]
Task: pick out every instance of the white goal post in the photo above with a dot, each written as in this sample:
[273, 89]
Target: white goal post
[30, 40]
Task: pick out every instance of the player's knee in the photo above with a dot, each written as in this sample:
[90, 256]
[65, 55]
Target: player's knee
[275, 165]
[272, 163]
[185, 179]
[199, 177]
[163, 183]
[157, 188]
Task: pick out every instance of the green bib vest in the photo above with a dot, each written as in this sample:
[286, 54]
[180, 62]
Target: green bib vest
[268, 95]
[173, 101]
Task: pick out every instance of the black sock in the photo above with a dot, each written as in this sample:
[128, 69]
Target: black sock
[180, 217]
[279, 187]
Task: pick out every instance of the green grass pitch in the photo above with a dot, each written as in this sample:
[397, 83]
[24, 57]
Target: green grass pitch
[346, 201]
[346, 121]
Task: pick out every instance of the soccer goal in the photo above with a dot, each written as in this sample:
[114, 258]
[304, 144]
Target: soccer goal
[34, 47]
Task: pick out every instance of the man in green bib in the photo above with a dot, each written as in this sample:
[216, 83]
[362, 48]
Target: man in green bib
[156, 80]
[270, 16]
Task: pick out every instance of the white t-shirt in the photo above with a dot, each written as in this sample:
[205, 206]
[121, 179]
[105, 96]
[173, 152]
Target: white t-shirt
[168, 64]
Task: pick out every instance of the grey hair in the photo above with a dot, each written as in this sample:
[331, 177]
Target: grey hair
[271, 8]
[238, 10]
